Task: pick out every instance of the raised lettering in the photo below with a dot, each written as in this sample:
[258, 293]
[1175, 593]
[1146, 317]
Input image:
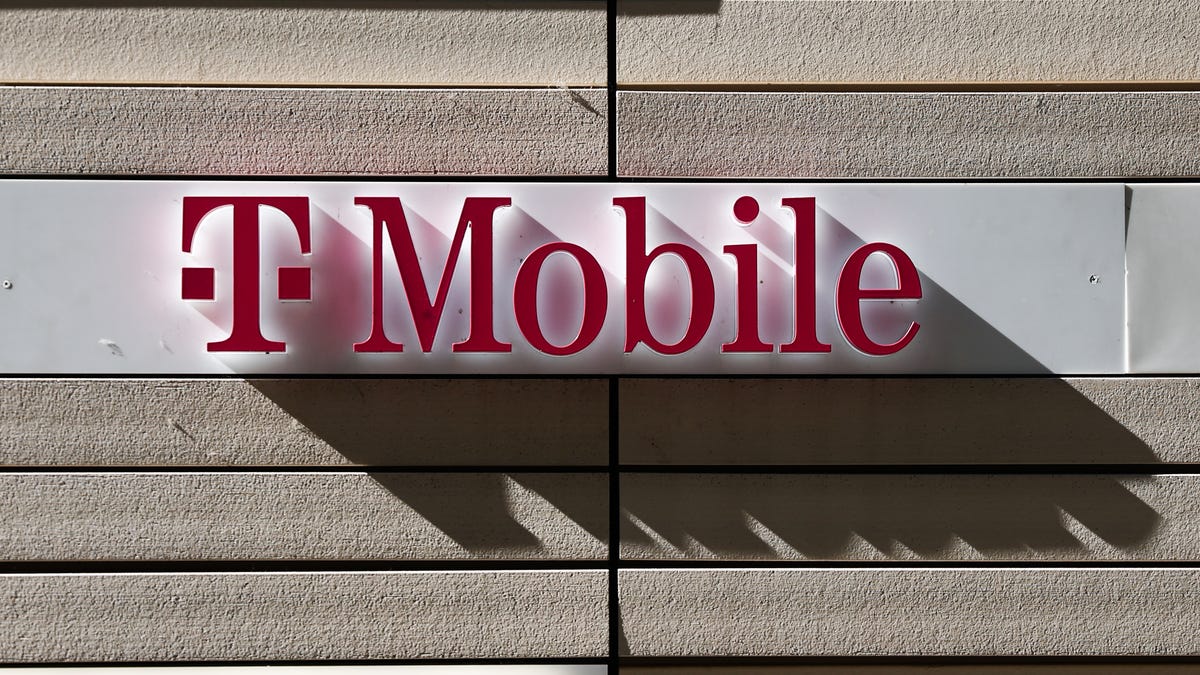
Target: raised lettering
[477, 213]
[850, 294]
[595, 298]
[246, 332]
[637, 263]
[805, 282]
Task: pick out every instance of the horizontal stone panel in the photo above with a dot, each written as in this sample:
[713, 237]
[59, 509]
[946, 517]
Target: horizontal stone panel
[897, 135]
[341, 669]
[68, 422]
[302, 131]
[303, 616]
[554, 42]
[911, 612]
[302, 516]
[303, 422]
[943, 668]
[909, 421]
[910, 517]
[804, 41]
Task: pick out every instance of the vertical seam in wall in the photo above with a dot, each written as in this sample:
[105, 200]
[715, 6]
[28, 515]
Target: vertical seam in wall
[612, 88]
[614, 523]
[614, 394]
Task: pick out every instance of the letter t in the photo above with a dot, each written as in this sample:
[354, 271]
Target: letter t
[246, 333]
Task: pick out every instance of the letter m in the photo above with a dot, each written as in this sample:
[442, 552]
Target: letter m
[388, 216]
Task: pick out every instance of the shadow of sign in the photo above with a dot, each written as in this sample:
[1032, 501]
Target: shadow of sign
[395, 5]
[667, 7]
[805, 422]
[486, 524]
[864, 517]
[836, 422]
[889, 421]
[469, 423]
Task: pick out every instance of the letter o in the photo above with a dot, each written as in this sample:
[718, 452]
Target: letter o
[595, 298]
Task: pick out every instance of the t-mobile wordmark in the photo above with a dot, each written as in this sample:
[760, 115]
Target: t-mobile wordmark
[478, 216]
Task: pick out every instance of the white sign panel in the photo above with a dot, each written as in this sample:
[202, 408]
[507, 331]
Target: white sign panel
[181, 277]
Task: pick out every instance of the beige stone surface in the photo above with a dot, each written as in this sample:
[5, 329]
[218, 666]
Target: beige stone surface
[326, 669]
[345, 669]
[378, 422]
[302, 616]
[1059, 517]
[303, 422]
[750, 41]
[556, 42]
[898, 135]
[1123, 665]
[302, 131]
[910, 421]
[303, 516]
[892, 611]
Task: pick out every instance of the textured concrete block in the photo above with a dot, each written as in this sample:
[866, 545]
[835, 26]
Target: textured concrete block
[910, 517]
[325, 669]
[378, 43]
[303, 616]
[910, 421]
[303, 422]
[250, 131]
[676, 41]
[945, 668]
[968, 135]
[877, 612]
[302, 516]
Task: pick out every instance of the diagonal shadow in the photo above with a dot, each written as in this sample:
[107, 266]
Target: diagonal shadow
[846, 516]
[483, 525]
[481, 423]
[584, 501]
[878, 421]
[396, 5]
[461, 422]
[853, 421]
[667, 7]
[365, 422]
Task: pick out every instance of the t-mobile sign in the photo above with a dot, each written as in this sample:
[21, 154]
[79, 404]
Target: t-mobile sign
[579, 278]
